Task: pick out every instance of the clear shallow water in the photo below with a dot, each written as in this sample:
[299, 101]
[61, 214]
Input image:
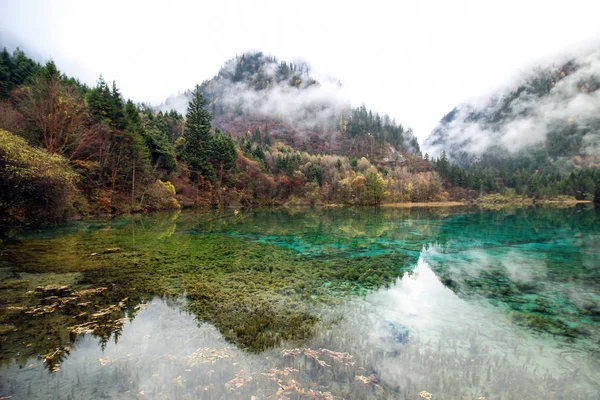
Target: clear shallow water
[354, 303]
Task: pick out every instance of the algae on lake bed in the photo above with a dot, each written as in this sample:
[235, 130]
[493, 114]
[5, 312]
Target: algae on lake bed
[271, 278]
[257, 294]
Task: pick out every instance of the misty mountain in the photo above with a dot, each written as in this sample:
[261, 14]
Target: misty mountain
[255, 91]
[547, 119]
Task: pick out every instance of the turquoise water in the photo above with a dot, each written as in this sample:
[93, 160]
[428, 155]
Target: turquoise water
[306, 303]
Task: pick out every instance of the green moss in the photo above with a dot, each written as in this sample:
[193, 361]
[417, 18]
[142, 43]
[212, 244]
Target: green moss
[261, 276]
[544, 323]
[257, 294]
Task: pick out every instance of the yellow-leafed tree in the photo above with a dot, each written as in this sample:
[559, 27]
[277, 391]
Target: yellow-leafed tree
[35, 186]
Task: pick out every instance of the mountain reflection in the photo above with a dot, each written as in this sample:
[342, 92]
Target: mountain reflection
[291, 301]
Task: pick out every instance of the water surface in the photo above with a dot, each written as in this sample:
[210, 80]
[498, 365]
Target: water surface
[305, 303]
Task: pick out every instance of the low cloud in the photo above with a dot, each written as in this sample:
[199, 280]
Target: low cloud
[562, 95]
[311, 104]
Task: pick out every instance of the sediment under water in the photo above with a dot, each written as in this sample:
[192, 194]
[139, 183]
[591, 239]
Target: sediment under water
[305, 303]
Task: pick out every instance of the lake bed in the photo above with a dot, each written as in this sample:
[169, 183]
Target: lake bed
[306, 303]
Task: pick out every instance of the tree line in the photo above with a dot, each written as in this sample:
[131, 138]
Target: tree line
[68, 149]
[514, 177]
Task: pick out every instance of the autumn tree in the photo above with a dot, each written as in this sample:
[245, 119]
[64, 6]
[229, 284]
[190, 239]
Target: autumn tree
[11, 120]
[34, 185]
[55, 110]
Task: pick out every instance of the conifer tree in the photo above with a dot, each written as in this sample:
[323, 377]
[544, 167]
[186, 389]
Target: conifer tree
[267, 136]
[118, 113]
[5, 74]
[156, 134]
[197, 136]
[23, 68]
[100, 101]
[222, 151]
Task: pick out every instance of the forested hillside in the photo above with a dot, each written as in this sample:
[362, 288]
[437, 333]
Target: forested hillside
[68, 149]
[539, 136]
[282, 100]
[264, 132]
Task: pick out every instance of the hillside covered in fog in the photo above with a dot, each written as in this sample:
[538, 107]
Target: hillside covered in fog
[547, 119]
[255, 91]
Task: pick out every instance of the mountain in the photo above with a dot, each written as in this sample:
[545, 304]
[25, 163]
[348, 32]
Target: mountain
[255, 91]
[549, 119]
[294, 140]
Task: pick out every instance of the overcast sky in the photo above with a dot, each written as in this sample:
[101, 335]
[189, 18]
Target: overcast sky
[413, 59]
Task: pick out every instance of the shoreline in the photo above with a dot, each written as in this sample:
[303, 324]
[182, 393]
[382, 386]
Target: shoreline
[433, 204]
[563, 202]
[425, 204]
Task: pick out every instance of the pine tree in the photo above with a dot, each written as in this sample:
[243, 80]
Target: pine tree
[6, 84]
[443, 165]
[255, 138]
[267, 136]
[100, 101]
[197, 136]
[156, 134]
[222, 151]
[132, 117]
[118, 113]
[24, 68]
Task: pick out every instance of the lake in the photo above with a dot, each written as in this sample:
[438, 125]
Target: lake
[305, 303]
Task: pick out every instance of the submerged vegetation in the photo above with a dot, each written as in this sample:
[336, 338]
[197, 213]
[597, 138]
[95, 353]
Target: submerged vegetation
[256, 294]
[302, 290]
